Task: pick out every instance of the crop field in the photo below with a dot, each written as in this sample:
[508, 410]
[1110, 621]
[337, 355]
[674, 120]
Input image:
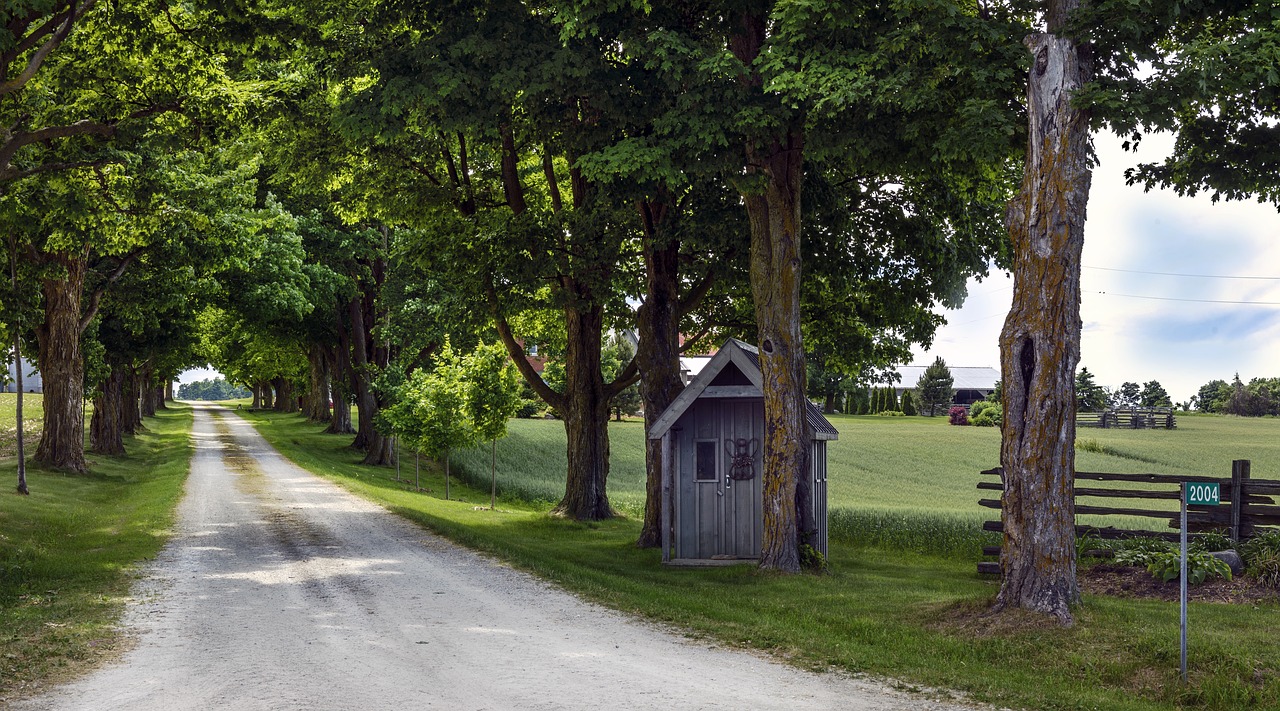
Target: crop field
[891, 469]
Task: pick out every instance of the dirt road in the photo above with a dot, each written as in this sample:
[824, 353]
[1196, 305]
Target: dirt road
[280, 590]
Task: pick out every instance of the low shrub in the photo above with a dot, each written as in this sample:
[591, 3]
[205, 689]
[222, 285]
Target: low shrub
[1200, 567]
[1211, 541]
[958, 415]
[1141, 551]
[891, 413]
[984, 420]
[529, 409]
[1261, 557]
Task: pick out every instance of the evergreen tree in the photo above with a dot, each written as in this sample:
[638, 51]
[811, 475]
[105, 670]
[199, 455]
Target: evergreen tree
[935, 388]
[1090, 397]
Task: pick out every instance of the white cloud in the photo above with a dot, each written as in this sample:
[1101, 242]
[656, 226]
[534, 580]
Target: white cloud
[1183, 344]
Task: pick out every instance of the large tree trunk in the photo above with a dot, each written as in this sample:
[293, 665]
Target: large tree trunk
[366, 405]
[130, 414]
[340, 367]
[285, 401]
[106, 433]
[318, 397]
[62, 367]
[257, 397]
[1040, 343]
[168, 390]
[774, 214]
[772, 197]
[267, 399]
[586, 418]
[146, 392]
[378, 451]
[658, 354]
[158, 397]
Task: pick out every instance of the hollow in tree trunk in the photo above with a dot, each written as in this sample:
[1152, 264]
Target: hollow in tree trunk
[106, 433]
[1040, 343]
[62, 366]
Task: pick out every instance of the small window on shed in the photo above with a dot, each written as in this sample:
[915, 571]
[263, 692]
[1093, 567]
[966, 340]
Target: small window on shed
[705, 461]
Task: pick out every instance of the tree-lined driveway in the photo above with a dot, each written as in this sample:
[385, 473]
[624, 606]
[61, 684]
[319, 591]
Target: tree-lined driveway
[281, 590]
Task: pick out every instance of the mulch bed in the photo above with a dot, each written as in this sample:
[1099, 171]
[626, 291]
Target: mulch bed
[1133, 582]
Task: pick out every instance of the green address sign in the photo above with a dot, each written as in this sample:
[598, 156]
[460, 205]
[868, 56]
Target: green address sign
[1203, 493]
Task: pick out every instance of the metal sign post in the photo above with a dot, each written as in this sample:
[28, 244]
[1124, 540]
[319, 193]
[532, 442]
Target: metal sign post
[1201, 494]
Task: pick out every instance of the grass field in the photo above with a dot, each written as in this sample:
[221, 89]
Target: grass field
[68, 551]
[32, 420]
[880, 610]
[884, 470]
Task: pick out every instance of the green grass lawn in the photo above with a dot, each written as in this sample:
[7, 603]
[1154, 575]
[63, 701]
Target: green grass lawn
[32, 420]
[881, 610]
[68, 551]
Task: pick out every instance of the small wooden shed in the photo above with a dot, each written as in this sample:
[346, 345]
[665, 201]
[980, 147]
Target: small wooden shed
[712, 496]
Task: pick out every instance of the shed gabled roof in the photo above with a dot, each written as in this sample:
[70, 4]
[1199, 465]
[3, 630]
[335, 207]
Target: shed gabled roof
[746, 359]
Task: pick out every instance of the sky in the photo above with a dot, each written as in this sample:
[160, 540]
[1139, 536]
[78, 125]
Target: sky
[1145, 315]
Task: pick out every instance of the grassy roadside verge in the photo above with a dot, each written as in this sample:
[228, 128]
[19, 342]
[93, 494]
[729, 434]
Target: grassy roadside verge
[880, 611]
[68, 551]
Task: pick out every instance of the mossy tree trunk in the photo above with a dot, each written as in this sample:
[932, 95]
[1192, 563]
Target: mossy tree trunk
[1040, 343]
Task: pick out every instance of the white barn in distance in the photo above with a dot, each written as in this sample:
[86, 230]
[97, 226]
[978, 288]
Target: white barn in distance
[31, 381]
[971, 384]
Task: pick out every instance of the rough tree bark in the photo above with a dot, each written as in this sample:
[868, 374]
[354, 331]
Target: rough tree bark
[318, 396]
[1040, 343]
[62, 365]
[586, 419]
[168, 391]
[774, 173]
[658, 352]
[130, 414]
[106, 433]
[146, 392]
[284, 394]
[340, 367]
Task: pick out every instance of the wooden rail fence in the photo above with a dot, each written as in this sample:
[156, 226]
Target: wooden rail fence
[1239, 517]
[1133, 418]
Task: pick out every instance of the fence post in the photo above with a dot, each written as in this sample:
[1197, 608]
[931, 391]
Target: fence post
[1239, 475]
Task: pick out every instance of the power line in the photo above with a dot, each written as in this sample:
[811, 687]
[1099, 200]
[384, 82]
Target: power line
[1194, 301]
[1188, 276]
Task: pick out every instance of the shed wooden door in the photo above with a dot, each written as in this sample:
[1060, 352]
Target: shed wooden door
[720, 516]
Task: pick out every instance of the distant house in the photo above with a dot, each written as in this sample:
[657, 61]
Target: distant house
[971, 384]
[31, 381]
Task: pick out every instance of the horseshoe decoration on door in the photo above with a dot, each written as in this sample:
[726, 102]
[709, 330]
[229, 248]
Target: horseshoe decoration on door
[742, 458]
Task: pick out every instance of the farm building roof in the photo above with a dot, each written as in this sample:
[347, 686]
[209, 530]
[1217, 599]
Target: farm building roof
[963, 377]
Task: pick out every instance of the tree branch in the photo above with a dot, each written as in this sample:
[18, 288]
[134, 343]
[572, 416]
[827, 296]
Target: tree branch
[518, 356]
[690, 300]
[60, 25]
[95, 300]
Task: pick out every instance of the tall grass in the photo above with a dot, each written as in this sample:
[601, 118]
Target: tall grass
[923, 532]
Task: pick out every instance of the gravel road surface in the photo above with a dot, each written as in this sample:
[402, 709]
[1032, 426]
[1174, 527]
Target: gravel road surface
[282, 591]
